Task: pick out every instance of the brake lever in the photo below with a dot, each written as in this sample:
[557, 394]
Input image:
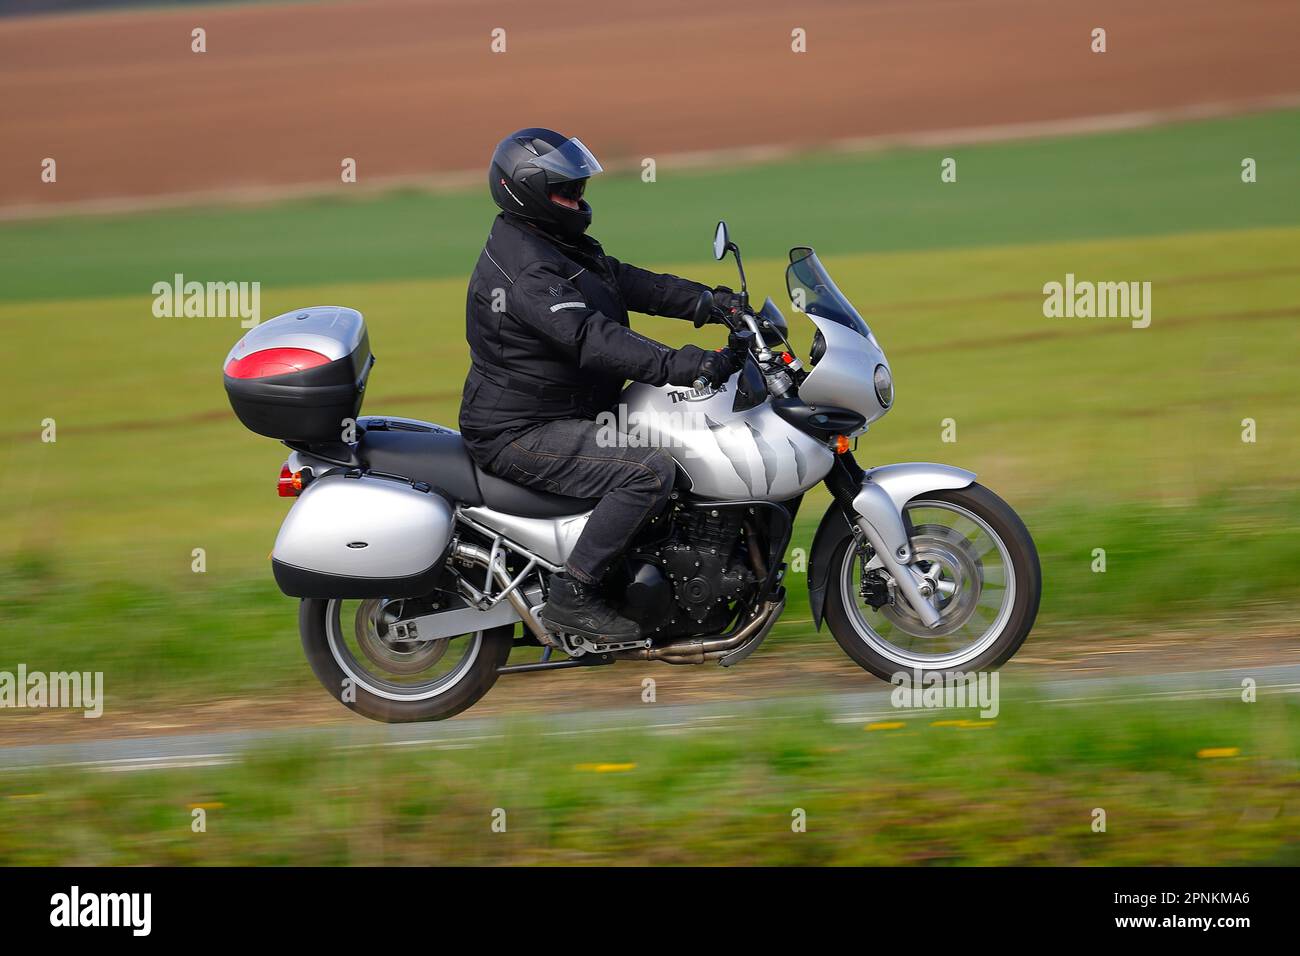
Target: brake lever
[725, 318]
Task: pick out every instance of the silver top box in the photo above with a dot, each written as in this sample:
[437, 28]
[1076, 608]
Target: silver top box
[332, 330]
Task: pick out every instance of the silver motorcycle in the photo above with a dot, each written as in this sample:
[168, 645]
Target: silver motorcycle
[419, 573]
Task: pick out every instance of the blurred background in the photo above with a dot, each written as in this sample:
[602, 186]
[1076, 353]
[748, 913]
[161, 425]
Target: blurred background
[224, 165]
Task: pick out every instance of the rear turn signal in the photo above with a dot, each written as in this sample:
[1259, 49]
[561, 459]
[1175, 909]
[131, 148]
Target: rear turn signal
[290, 483]
[841, 444]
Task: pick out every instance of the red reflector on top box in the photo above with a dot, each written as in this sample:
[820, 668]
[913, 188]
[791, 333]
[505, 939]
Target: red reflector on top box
[300, 376]
[270, 362]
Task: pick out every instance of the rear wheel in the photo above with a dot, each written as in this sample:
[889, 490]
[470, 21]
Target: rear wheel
[979, 560]
[356, 657]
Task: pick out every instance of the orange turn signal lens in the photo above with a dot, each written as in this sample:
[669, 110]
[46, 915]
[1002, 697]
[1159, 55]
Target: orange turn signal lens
[840, 444]
[290, 483]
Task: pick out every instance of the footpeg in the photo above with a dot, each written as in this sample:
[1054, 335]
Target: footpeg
[575, 645]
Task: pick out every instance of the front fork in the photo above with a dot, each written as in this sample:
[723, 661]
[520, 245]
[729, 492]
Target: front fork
[877, 516]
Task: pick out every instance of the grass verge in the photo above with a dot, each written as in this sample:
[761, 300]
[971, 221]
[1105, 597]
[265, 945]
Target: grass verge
[1180, 783]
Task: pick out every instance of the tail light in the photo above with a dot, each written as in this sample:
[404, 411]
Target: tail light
[271, 362]
[290, 483]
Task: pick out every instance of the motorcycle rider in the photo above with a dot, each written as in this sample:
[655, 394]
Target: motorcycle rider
[550, 349]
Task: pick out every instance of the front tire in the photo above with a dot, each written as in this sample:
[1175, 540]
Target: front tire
[985, 569]
[394, 691]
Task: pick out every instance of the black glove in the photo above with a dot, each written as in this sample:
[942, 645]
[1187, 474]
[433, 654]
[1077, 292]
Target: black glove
[717, 367]
[726, 304]
[690, 362]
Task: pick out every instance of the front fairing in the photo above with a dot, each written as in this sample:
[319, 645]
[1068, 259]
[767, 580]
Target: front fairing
[844, 373]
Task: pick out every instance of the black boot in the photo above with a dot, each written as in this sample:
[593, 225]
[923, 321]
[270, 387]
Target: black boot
[576, 607]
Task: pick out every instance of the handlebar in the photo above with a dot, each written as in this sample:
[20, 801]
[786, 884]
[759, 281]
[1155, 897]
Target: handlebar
[745, 337]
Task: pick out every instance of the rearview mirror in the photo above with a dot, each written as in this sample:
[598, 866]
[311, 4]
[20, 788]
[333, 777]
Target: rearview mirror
[720, 240]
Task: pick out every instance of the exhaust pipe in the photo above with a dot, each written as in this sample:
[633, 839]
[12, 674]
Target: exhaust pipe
[697, 650]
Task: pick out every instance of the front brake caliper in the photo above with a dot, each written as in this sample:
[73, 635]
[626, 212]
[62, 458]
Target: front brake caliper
[875, 589]
[875, 583]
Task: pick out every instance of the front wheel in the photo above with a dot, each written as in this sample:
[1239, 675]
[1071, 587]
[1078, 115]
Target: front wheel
[980, 562]
[356, 658]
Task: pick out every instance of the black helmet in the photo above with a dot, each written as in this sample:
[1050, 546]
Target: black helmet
[539, 175]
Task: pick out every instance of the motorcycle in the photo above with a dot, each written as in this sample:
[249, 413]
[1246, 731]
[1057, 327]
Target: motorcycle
[419, 573]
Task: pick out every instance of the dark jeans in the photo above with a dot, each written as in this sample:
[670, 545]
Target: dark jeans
[565, 458]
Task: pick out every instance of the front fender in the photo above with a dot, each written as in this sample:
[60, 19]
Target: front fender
[885, 492]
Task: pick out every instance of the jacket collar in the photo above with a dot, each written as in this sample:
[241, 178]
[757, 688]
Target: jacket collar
[586, 252]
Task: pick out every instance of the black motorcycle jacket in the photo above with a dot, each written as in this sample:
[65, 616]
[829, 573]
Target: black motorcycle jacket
[547, 325]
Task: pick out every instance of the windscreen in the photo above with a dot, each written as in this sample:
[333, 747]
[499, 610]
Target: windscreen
[570, 160]
[813, 292]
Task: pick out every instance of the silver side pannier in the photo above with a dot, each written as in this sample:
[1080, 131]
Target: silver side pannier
[351, 535]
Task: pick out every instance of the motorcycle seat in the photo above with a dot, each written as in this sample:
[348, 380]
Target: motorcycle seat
[512, 499]
[441, 460]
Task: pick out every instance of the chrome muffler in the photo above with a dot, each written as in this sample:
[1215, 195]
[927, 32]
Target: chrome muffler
[698, 650]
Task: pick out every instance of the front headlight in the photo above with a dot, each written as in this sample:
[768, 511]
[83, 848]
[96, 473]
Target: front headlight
[884, 383]
[818, 349]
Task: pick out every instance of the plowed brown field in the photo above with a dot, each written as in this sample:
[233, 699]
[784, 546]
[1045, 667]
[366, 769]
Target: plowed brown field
[285, 92]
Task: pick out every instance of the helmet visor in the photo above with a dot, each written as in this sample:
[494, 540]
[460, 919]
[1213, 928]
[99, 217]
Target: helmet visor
[573, 189]
[570, 160]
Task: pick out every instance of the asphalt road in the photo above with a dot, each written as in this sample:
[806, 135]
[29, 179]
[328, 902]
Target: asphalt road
[199, 750]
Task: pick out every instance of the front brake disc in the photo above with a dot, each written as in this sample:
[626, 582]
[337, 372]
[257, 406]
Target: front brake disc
[957, 572]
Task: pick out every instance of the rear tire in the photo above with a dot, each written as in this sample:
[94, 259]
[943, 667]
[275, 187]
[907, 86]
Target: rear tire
[314, 626]
[852, 630]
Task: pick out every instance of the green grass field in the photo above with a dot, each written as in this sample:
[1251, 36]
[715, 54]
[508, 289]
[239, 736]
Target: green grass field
[1187, 783]
[1165, 180]
[1103, 436]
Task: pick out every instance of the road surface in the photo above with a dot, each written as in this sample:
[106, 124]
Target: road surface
[200, 750]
